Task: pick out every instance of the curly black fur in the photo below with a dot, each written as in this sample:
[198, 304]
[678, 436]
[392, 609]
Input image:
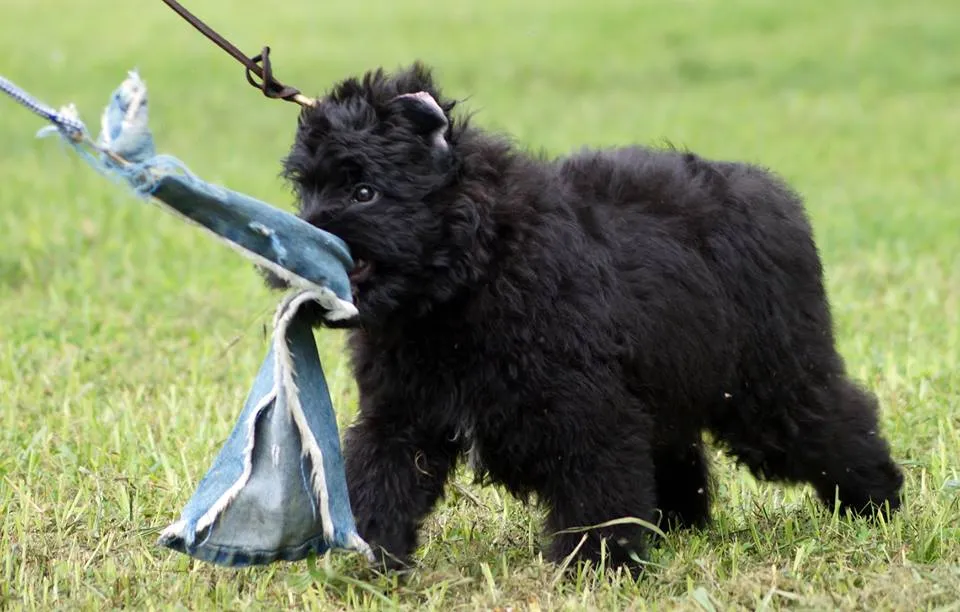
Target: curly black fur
[574, 325]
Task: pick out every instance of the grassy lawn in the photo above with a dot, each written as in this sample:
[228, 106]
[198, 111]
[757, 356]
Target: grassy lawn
[128, 339]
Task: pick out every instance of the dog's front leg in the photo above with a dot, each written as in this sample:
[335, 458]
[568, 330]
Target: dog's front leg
[591, 488]
[396, 471]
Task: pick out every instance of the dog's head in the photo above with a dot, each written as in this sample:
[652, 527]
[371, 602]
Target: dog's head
[375, 162]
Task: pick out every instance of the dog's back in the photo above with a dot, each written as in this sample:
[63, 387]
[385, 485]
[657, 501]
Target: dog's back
[710, 256]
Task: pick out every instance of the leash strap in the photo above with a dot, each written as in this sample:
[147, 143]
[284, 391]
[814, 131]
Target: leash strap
[268, 84]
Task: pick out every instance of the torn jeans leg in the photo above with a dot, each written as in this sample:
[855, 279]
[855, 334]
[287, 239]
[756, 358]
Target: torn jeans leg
[277, 489]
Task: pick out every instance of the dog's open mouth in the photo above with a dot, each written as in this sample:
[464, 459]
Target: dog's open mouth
[362, 269]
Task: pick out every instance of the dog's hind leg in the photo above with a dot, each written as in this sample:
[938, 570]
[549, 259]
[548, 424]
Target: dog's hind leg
[823, 431]
[683, 491]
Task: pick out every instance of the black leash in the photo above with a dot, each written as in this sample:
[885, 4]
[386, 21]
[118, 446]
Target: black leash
[269, 85]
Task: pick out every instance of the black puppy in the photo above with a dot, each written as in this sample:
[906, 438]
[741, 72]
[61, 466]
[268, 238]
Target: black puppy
[574, 324]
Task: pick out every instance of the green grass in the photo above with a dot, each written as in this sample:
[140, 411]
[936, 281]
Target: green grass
[128, 340]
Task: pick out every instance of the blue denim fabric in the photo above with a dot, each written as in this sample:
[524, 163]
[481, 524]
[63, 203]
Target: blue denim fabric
[262, 491]
[277, 489]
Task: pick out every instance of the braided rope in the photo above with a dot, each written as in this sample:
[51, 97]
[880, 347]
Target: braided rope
[65, 119]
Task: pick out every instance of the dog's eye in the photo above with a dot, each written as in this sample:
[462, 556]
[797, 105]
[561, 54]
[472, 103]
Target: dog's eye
[363, 194]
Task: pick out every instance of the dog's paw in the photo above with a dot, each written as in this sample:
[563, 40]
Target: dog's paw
[387, 562]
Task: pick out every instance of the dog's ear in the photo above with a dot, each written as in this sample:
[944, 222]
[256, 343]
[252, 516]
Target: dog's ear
[427, 116]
